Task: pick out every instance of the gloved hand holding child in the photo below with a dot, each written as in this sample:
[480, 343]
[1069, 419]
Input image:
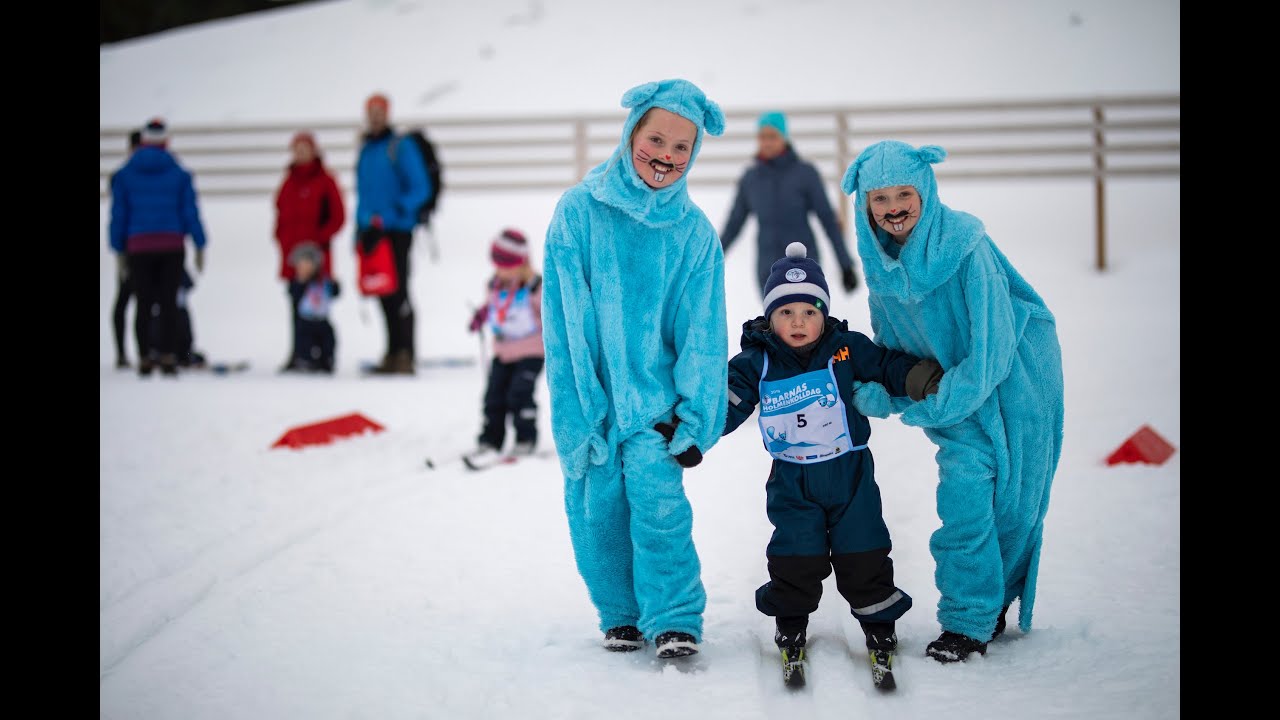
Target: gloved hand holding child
[691, 456]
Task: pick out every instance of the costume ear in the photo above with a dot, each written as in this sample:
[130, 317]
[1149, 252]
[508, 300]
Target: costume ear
[639, 94]
[932, 154]
[850, 182]
[713, 119]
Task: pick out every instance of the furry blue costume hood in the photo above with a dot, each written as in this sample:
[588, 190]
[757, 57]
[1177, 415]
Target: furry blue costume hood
[940, 240]
[616, 182]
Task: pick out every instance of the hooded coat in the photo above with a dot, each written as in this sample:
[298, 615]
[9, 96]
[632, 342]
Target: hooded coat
[950, 294]
[633, 314]
[309, 208]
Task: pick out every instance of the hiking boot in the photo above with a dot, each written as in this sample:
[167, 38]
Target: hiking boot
[399, 362]
[145, 366]
[485, 456]
[673, 644]
[1000, 623]
[624, 638]
[953, 647]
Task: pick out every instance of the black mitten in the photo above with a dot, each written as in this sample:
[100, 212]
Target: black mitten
[923, 379]
[687, 459]
[369, 238]
[849, 278]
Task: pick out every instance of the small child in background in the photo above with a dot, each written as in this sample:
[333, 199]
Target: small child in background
[313, 292]
[800, 365]
[513, 313]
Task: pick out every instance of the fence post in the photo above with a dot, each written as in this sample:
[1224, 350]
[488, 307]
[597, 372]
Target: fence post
[842, 164]
[580, 148]
[1099, 190]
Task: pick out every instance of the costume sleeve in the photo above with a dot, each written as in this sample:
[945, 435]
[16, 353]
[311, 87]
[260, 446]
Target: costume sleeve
[744, 389]
[578, 401]
[993, 339]
[872, 398]
[737, 216]
[702, 352]
[817, 198]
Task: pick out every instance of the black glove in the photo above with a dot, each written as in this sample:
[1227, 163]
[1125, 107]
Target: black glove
[923, 379]
[369, 238]
[849, 278]
[687, 459]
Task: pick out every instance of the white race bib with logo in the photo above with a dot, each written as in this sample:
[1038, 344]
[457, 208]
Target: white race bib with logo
[802, 418]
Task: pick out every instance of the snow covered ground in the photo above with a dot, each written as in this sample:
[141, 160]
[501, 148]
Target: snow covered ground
[348, 581]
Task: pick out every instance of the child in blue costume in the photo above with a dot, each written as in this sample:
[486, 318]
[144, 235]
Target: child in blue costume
[633, 315]
[800, 365]
[940, 288]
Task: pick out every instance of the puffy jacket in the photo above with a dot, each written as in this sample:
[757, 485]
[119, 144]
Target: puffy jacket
[309, 208]
[153, 204]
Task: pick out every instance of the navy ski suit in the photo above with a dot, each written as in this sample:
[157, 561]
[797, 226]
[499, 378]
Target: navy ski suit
[825, 513]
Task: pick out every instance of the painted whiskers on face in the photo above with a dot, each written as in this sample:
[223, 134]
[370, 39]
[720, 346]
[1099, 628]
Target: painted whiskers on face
[661, 166]
[896, 209]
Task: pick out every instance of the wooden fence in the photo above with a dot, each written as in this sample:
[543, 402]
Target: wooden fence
[1088, 138]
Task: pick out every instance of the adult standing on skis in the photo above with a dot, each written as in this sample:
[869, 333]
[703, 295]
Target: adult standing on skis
[637, 353]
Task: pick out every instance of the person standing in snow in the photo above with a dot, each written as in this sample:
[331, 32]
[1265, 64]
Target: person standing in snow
[800, 365]
[309, 209]
[124, 287]
[637, 352]
[153, 210]
[781, 189]
[940, 288]
[513, 313]
[391, 185]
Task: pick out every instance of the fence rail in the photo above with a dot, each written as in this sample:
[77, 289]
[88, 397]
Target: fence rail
[1090, 138]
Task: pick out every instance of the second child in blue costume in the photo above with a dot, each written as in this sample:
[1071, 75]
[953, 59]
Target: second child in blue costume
[800, 366]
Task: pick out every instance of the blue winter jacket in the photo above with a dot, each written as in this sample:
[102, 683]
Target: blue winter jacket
[950, 294]
[153, 204]
[633, 304]
[782, 192]
[392, 189]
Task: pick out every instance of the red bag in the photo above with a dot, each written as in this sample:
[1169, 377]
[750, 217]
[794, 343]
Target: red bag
[377, 270]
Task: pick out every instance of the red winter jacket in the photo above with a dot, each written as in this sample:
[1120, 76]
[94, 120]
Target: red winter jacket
[308, 207]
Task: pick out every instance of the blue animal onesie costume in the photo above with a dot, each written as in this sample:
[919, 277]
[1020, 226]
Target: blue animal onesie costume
[949, 293]
[634, 323]
[822, 497]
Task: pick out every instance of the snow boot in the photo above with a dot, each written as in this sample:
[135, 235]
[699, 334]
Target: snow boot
[1000, 623]
[522, 449]
[484, 456]
[793, 659]
[624, 638]
[674, 644]
[953, 647]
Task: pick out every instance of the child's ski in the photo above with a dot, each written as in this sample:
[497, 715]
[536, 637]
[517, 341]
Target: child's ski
[467, 462]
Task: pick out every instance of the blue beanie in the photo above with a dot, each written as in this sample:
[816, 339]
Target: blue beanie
[775, 120]
[796, 278]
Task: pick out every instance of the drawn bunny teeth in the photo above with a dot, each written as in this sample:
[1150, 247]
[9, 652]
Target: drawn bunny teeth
[658, 176]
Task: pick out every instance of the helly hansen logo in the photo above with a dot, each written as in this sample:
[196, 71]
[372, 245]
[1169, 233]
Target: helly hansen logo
[841, 354]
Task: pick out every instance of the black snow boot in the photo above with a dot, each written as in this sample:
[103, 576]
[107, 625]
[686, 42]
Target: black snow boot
[953, 647]
[624, 638]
